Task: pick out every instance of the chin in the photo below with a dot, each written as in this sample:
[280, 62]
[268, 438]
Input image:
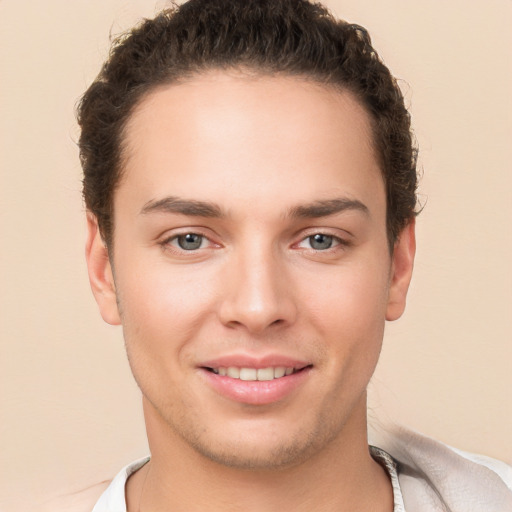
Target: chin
[262, 447]
[258, 456]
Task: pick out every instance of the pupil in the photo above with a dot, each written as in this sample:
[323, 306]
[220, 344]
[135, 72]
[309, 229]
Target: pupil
[190, 241]
[320, 241]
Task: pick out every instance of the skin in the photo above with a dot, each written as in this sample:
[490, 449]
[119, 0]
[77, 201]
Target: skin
[261, 149]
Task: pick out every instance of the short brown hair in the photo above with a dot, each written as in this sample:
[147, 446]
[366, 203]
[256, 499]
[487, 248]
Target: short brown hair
[291, 37]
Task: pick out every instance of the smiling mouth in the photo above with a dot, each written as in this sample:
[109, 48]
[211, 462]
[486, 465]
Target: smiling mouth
[256, 374]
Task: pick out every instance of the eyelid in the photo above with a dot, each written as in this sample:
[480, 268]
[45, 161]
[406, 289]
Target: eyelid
[338, 241]
[340, 234]
[165, 240]
[342, 240]
[176, 238]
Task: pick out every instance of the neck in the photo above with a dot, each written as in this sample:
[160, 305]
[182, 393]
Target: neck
[342, 476]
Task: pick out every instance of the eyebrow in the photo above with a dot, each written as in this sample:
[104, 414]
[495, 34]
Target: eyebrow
[324, 208]
[195, 208]
[189, 207]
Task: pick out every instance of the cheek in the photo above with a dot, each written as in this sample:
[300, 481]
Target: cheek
[351, 298]
[348, 312]
[162, 307]
[162, 290]
[161, 315]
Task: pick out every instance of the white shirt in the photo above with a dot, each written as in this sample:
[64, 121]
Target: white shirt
[427, 476]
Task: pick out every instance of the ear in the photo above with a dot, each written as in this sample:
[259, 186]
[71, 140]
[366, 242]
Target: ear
[100, 272]
[401, 271]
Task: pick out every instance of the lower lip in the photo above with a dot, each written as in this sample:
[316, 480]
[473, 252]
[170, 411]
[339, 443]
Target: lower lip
[256, 392]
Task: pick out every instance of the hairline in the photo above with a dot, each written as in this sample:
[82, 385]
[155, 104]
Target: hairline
[242, 70]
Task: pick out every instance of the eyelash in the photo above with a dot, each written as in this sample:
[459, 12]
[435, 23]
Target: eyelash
[336, 240]
[167, 243]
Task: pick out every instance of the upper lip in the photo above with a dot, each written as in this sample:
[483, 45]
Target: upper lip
[250, 361]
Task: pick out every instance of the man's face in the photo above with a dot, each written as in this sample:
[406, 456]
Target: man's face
[250, 242]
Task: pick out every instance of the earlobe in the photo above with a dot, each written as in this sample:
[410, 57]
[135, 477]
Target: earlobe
[401, 271]
[101, 277]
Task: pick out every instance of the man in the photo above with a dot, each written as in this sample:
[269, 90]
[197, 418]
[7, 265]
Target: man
[250, 178]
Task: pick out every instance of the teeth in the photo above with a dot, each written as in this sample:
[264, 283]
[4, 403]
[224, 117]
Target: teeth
[253, 374]
[265, 374]
[279, 372]
[248, 374]
[233, 372]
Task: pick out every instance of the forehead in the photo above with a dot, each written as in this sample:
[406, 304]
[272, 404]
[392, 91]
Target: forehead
[266, 139]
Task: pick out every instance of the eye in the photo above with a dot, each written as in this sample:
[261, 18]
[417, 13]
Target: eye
[189, 241]
[320, 242]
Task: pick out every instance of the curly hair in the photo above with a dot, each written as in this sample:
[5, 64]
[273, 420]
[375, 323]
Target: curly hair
[289, 37]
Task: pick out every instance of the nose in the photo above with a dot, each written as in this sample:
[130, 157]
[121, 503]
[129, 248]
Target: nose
[258, 294]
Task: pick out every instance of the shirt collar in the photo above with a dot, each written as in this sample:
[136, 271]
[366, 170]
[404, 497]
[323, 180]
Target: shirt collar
[389, 464]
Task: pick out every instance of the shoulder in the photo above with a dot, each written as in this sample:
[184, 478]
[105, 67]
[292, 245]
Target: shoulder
[434, 476]
[107, 496]
[113, 498]
[82, 500]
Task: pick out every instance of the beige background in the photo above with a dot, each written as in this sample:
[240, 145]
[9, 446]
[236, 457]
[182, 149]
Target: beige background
[70, 412]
